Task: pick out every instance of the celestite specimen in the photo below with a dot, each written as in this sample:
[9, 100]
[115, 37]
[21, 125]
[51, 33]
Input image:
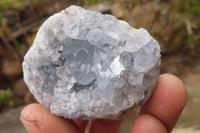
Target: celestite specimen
[86, 65]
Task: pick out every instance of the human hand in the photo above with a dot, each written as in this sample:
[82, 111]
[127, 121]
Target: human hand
[158, 115]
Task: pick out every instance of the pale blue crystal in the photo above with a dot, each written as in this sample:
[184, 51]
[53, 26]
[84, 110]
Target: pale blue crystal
[85, 65]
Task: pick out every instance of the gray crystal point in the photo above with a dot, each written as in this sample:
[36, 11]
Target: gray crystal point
[86, 65]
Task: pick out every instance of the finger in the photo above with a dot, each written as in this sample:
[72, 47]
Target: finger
[168, 100]
[148, 124]
[82, 124]
[37, 119]
[104, 126]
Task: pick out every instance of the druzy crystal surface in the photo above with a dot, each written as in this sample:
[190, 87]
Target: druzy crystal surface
[85, 65]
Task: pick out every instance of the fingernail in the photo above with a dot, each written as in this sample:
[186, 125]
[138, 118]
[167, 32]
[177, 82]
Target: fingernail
[31, 125]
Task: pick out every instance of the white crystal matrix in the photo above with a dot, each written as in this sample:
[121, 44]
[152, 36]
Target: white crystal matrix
[85, 65]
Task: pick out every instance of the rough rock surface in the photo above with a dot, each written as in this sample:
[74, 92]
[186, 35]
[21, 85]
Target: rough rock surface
[85, 65]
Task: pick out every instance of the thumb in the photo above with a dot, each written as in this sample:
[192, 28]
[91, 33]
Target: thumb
[38, 119]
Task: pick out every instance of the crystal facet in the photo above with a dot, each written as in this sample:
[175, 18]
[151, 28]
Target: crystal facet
[85, 65]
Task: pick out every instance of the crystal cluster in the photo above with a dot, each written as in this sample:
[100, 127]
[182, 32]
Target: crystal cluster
[86, 65]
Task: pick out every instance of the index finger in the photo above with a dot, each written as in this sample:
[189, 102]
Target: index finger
[168, 100]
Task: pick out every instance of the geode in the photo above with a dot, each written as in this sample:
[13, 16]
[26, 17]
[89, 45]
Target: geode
[86, 65]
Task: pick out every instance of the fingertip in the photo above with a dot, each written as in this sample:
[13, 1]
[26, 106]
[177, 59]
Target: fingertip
[147, 124]
[176, 83]
[29, 113]
[31, 119]
[168, 100]
[38, 119]
[174, 91]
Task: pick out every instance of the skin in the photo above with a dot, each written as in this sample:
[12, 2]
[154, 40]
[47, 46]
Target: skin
[158, 115]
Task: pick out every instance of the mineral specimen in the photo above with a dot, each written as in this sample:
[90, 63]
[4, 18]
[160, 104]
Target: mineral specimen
[86, 65]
